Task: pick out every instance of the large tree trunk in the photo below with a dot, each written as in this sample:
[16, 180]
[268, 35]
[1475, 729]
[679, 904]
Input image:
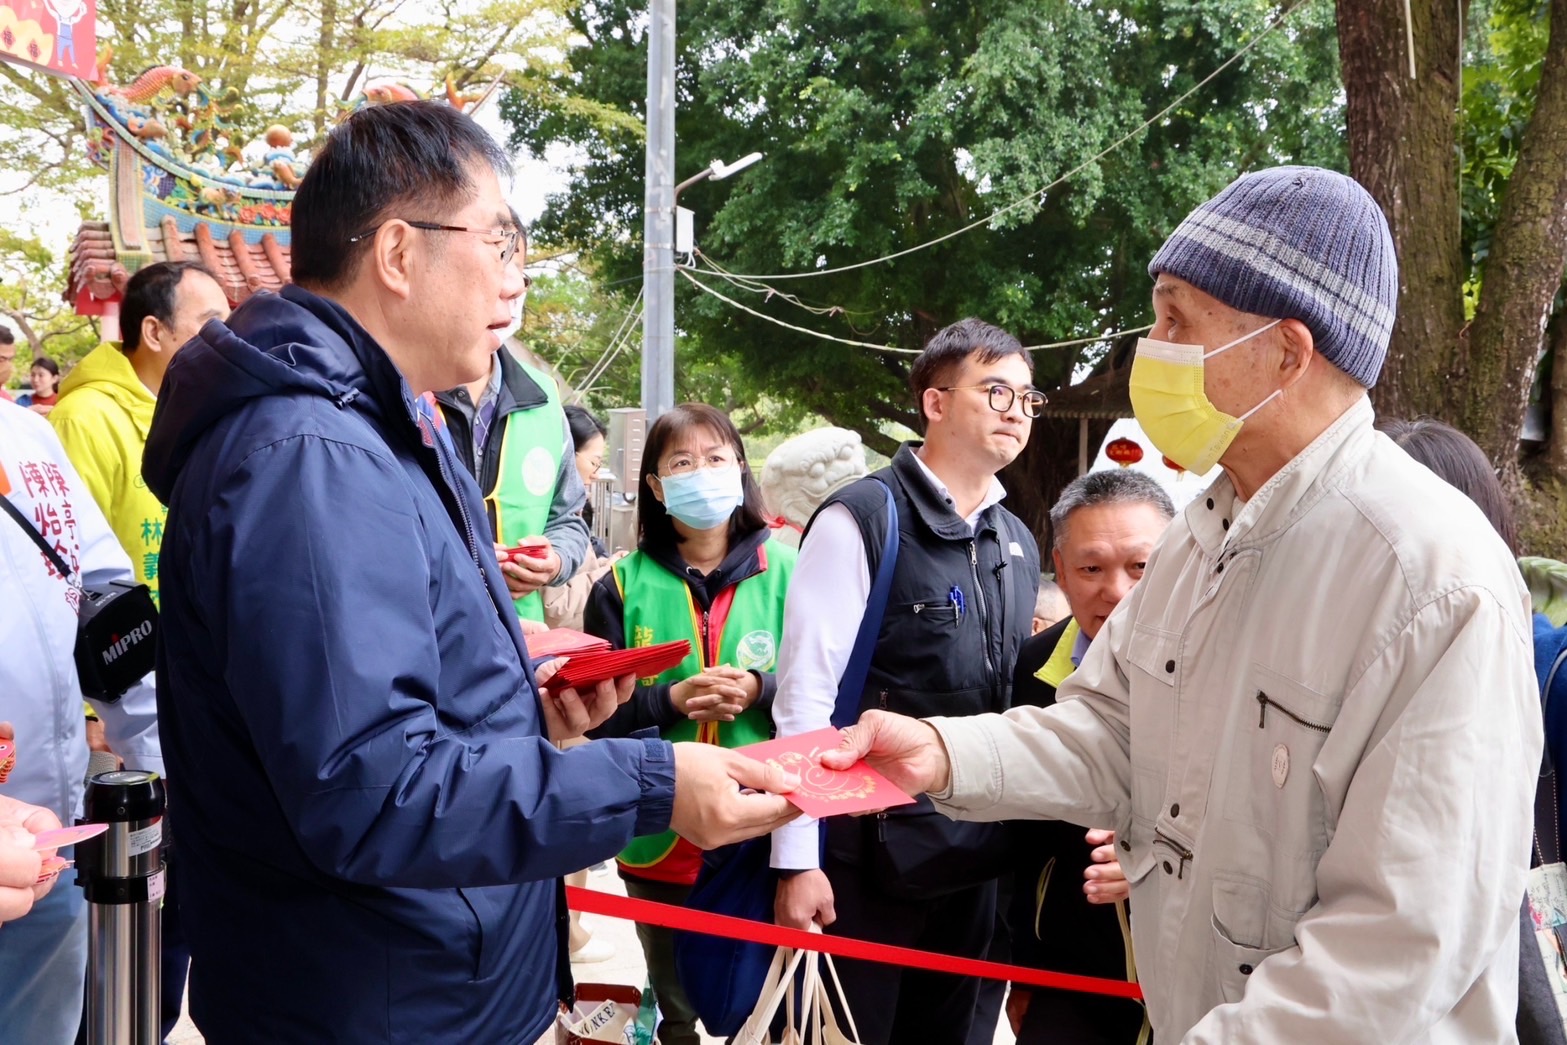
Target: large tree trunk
[1556, 445]
[1047, 464]
[1403, 149]
[1523, 272]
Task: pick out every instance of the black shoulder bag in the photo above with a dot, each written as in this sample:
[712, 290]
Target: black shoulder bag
[116, 625]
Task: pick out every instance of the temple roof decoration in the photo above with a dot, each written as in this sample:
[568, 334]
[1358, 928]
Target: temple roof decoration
[182, 187]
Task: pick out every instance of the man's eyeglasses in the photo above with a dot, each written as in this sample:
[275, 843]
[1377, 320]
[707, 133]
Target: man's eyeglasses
[1003, 396]
[511, 238]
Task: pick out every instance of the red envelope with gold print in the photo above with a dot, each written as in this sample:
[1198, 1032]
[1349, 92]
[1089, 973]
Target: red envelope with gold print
[822, 791]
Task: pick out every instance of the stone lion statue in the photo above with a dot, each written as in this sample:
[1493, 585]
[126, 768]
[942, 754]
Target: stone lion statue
[802, 472]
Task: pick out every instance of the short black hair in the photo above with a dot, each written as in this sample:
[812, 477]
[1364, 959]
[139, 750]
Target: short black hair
[6, 337]
[405, 158]
[584, 426]
[1111, 486]
[656, 528]
[47, 363]
[950, 346]
[151, 293]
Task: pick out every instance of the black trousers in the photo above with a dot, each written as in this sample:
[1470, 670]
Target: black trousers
[890, 1003]
[993, 993]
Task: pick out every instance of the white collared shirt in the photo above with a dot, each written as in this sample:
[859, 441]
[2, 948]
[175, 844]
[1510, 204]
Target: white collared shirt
[828, 592]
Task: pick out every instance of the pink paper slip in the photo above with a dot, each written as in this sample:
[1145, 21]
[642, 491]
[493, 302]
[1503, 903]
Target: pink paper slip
[64, 836]
[822, 791]
[7, 759]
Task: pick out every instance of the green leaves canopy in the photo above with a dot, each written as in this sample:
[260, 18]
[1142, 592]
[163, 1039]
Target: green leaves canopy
[888, 124]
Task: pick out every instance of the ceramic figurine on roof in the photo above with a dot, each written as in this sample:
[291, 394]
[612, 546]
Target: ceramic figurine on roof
[154, 82]
[459, 101]
[279, 157]
[188, 182]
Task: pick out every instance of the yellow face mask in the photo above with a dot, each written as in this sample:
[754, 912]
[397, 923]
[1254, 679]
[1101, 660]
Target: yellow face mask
[1172, 407]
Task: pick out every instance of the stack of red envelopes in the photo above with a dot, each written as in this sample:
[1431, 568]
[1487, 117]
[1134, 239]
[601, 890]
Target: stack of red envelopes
[563, 642]
[591, 666]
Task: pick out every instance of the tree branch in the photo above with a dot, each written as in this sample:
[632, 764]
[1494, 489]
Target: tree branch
[1524, 270]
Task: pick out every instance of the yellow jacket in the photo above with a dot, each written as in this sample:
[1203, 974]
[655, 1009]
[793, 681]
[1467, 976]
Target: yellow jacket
[102, 417]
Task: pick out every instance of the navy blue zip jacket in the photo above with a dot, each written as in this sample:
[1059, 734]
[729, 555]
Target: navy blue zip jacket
[368, 816]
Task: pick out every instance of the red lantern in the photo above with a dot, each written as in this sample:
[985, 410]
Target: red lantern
[1124, 452]
[1177, 469]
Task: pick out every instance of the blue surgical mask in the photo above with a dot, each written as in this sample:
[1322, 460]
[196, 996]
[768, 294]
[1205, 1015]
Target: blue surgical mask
[704, 498]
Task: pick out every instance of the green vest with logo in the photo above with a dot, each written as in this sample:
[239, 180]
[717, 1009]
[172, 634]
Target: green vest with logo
[531, 449]
[742, 629]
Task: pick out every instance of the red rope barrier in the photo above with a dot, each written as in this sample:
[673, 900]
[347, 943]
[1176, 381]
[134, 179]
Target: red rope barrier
[591, 901]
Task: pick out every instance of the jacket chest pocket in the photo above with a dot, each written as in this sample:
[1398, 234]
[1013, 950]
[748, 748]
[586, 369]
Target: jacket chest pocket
[1153, 655]
[1272, 784]
[927, 631]
[934, 615]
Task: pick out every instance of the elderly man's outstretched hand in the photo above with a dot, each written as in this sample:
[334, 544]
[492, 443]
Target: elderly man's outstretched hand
[905, 750]
[722, 796]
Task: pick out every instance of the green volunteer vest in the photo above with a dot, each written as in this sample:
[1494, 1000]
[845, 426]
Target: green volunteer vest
[531, 449]
[744, 627]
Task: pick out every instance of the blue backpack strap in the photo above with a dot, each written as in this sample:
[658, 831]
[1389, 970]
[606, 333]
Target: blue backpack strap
[851, 687]
[1547, 810]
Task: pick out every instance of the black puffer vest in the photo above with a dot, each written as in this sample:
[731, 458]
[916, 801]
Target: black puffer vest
[960, 606]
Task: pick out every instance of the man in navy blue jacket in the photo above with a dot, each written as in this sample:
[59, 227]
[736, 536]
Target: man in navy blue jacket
[370, 810]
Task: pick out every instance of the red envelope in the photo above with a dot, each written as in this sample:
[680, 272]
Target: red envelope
[642, 661]
[563, 642]
[822, 791]
[7, 759]
[52, 866]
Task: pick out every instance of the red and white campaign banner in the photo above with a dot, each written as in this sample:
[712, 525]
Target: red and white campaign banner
[52, 36]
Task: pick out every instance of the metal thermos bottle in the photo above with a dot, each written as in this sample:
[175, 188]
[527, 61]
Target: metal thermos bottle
[122, 873]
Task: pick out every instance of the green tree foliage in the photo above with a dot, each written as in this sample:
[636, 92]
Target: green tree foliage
[888, 124]
[32, 306]
[1504, 53]
[282, 61]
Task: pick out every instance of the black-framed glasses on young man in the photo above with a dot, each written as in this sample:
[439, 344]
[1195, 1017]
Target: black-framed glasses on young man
[1003, 396]
[511, 237]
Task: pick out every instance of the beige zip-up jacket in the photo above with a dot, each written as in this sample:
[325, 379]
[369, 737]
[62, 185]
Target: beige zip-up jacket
[1315, 727]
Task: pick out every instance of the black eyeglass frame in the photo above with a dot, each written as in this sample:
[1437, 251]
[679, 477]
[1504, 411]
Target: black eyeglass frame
[1033, 400]
[513, 237]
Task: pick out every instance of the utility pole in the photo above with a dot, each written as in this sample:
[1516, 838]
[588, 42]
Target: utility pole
[658, 228]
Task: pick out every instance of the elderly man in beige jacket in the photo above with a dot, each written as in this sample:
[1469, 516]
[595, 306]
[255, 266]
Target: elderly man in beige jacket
[1314, 724]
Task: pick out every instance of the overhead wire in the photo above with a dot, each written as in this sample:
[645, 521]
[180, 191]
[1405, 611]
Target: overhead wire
[1039, 194]
[617, 343]
[605, 361]
[894, 348]
[608, 359]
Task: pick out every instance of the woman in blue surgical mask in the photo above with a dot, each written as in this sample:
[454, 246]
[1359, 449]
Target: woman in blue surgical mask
[704, 570]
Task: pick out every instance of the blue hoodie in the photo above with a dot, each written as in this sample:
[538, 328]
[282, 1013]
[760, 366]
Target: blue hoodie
[369, 819]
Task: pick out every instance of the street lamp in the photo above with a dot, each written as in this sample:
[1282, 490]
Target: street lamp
[658, 221]
[718, 170]
[658, 273]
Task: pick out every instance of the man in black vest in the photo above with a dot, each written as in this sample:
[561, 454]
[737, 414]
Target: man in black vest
[961, 603]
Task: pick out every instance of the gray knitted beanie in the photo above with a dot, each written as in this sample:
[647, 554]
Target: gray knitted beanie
[1296, 243]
